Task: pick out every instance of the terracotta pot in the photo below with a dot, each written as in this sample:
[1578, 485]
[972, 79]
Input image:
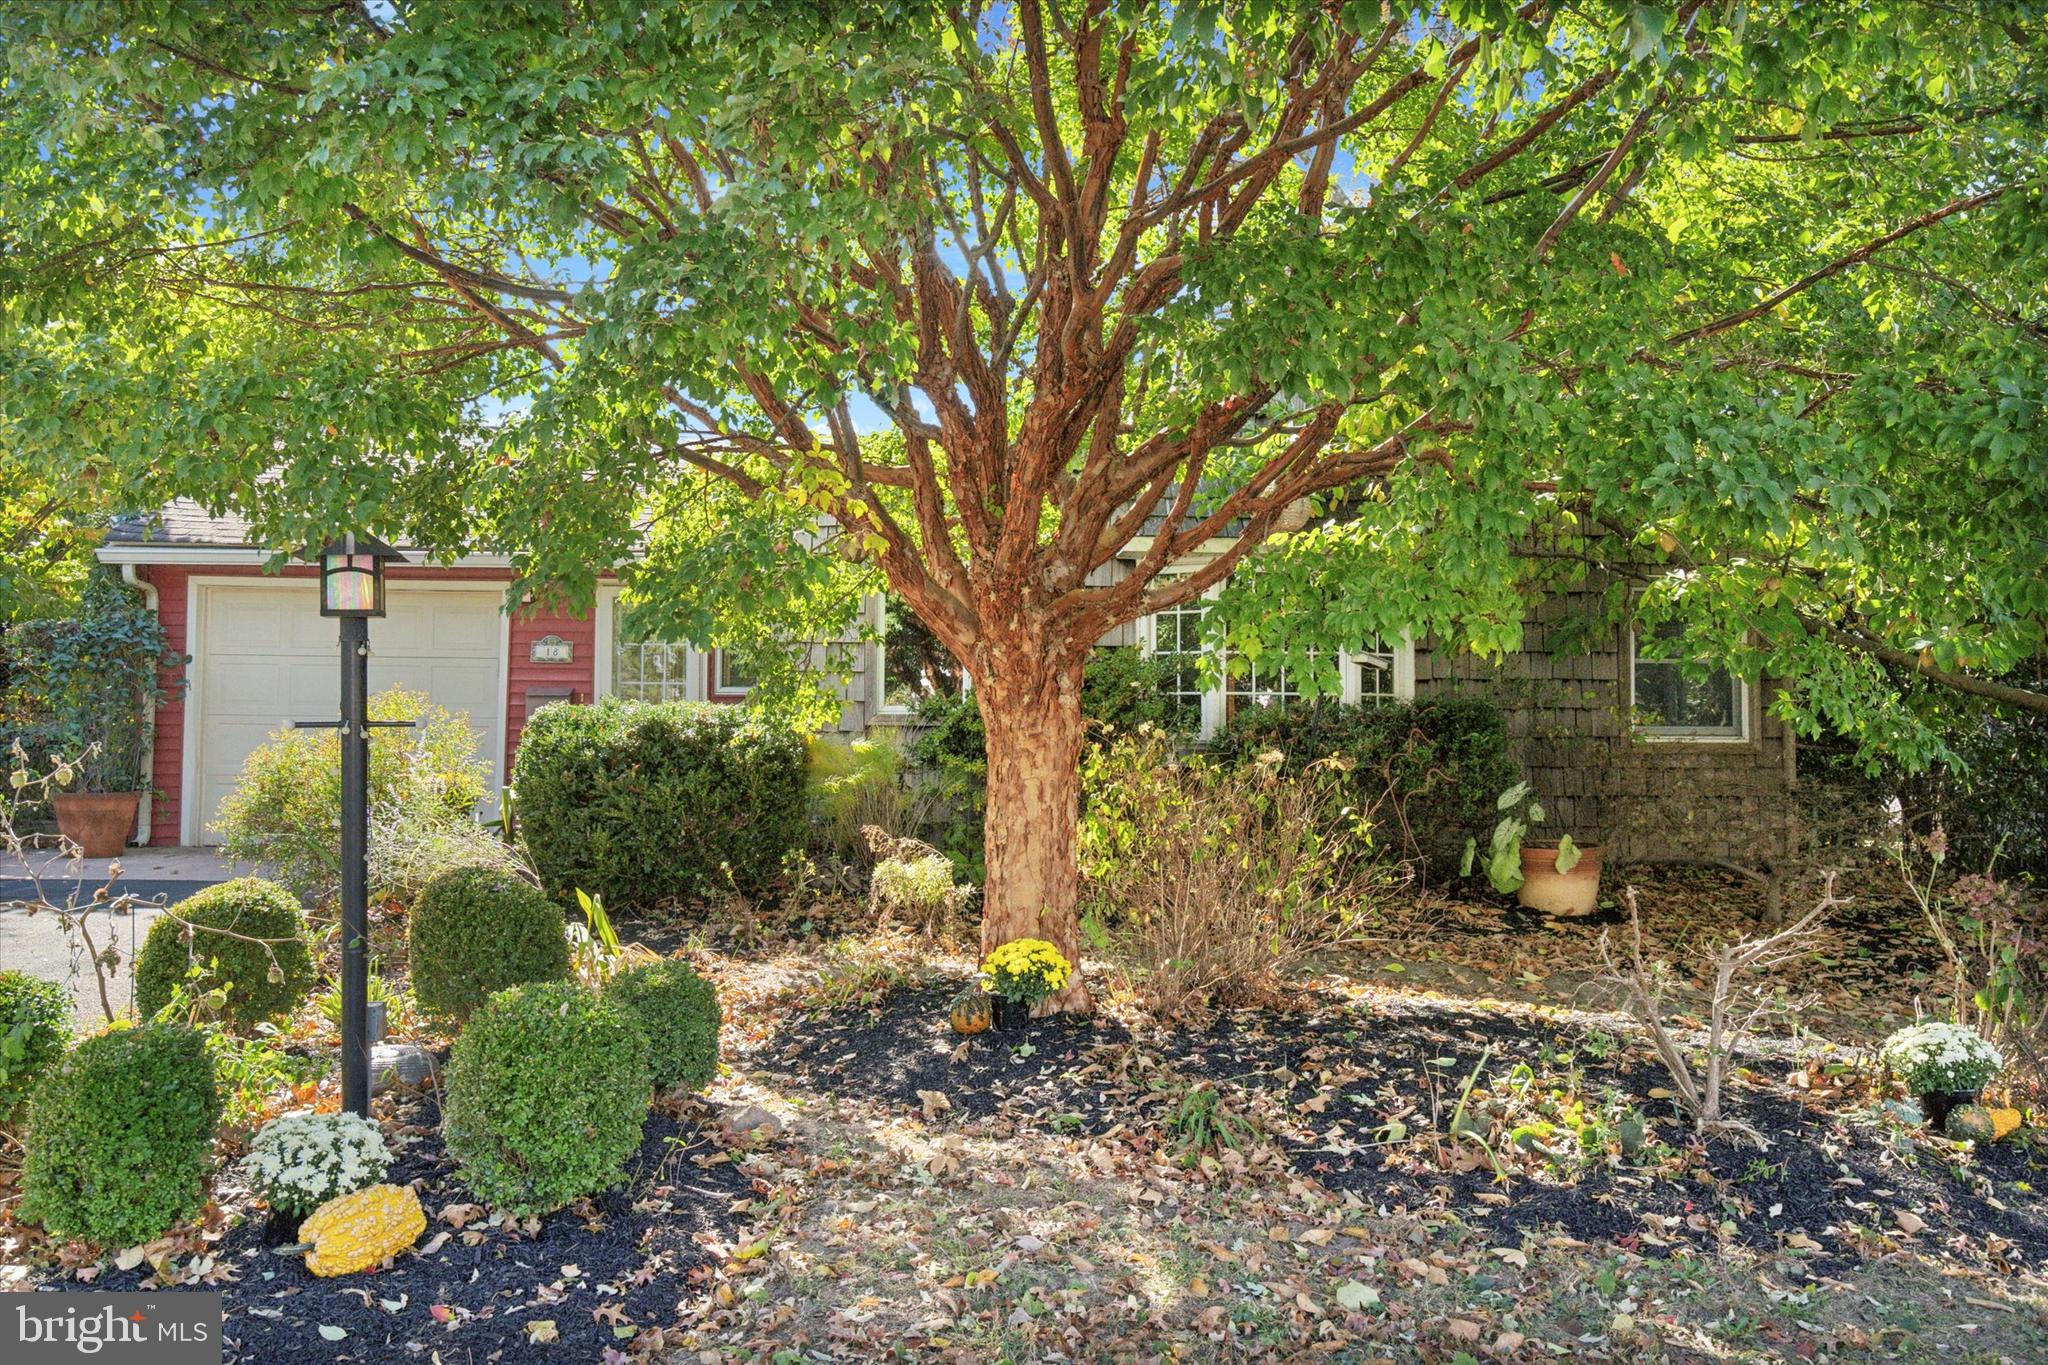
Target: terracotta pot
[1572, 893]
[98, 822]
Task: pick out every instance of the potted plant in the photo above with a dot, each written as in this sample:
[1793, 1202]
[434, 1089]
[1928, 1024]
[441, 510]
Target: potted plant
[83, 692]
[1021, 973]
[1945, 1065]
[1558, 879]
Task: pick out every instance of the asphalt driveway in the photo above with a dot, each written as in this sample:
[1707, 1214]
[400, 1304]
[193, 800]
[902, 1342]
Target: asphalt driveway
[36, 942]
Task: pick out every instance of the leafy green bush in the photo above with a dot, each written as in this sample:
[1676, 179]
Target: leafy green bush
[476, 930]
[678, 1011]
[645, 804]
[86, 688]
[120, 1136]
[285, 810]
[1428, 772]
[259, 953]
[35, 1024]
[546, 1092]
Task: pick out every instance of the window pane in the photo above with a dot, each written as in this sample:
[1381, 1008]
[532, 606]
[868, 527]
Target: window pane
[648, 670]
[1178, 631]
[1375, 665]
[1667, 699]
[730, 676]
[1255, 687]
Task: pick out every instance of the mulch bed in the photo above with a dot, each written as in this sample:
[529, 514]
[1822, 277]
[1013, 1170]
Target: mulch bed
[627, 1255]
[1322, 1079]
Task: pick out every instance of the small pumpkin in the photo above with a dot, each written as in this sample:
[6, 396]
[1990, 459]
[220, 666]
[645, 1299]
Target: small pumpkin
[356, 1231]
[972, 1010]
[2004, 1123]
[1971, 1123]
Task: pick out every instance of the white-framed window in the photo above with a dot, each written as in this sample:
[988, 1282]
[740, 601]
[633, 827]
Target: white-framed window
[649, 670]
[1177, 631]
[639, 669]
[1668, 701]
[1255, 686]
[1378, 673]
[1370, 675]
[910, 660]
[729, 680]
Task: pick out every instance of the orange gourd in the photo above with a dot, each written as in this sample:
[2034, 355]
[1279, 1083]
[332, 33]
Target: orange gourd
[972, 1011]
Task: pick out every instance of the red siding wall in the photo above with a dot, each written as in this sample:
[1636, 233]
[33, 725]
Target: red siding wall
[172, 583]
[579, 675]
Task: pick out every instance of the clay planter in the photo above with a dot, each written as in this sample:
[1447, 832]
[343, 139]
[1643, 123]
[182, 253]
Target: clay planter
[1936, 1104]
[98, 822]
[1012, 1015]
[1572, 893]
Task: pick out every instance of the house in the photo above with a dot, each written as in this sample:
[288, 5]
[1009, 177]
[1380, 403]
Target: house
[1620, 748]
[262, 656]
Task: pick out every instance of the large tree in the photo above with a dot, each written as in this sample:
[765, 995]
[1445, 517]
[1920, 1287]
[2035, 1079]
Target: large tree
[1750, 289]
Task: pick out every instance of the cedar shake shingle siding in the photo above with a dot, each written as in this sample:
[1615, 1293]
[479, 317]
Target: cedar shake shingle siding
[1662, 800]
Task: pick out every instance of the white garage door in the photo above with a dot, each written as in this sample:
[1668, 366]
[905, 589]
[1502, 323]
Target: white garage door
[268, 658]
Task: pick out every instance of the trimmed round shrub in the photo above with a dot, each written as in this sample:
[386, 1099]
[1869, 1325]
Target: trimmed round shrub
[678, 1011]
[35, 1024]
[263, 980]
[120, 1136]
[477, 930]
[545, 1095]
[645, 804]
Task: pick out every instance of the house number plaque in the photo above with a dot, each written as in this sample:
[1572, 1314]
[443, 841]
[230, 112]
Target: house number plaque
[552, 649]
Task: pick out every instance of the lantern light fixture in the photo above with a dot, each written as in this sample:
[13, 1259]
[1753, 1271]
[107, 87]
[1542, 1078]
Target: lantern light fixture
[352, 575]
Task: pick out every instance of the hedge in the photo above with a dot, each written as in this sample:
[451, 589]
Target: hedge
[649, 803]
[1443, 761]
[546, 1093]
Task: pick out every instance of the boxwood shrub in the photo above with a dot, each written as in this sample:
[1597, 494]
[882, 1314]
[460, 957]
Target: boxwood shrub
[546, 1092]
[261, 983]
[477, 930]
[120, 1136]
[1443, 761]
[35, 1025]
[678, 1011]
[645, 803]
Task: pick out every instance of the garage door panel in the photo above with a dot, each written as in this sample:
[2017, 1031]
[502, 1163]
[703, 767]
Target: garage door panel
[271, 659]
[241, 686]
[466, 632]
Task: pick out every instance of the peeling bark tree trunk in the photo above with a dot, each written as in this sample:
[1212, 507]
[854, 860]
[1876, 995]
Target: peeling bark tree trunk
[1033, 720]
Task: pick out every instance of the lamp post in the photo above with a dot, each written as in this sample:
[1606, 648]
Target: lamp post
[352, 589]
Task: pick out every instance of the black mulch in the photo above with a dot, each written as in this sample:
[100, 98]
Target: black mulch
[905, 1045]
[1338, 1071]
[631, 1250]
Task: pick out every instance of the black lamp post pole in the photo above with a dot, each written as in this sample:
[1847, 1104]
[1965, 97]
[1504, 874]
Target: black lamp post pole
[355, 844]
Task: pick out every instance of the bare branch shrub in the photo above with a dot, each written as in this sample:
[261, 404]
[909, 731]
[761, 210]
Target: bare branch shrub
[1741, 998]
[1208, 885]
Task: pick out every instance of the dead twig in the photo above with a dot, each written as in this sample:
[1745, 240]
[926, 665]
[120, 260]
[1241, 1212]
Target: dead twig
[1740, 1000]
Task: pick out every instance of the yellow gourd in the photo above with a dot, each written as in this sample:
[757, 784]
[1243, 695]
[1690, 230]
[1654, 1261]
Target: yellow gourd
[2004, 1123]
[353, 1232]
[972, 1010]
